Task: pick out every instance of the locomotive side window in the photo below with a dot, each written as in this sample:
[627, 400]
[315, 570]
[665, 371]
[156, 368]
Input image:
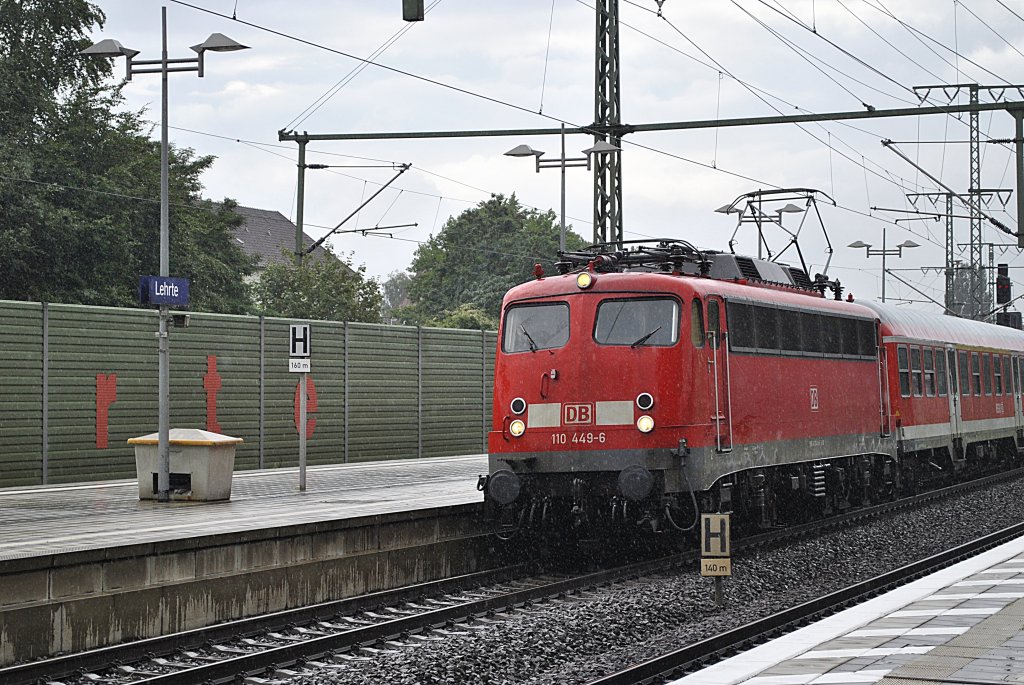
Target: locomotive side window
[903, 363]
[766, 327]
[529, 328]
[976, 374]
[986, 373]
[741, 325]
[915, 370]
[650, 322]
[929, 372]
[940, 372]
[789, 330]
[849, 333]
[866, 338]
[831, 335]
[965, 375]
[811, 329]
[697, 324]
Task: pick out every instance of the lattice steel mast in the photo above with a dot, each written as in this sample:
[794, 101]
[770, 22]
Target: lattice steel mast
[607, 120]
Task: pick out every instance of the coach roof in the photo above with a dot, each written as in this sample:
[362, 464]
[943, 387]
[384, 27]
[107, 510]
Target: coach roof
[914, 324]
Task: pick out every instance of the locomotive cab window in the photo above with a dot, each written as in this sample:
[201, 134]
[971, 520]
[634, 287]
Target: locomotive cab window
[648, 322]
[697, 323]
[714, 323]
[529, 328]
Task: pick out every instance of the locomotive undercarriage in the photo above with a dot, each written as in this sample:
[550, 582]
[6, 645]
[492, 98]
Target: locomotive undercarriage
[594, 505]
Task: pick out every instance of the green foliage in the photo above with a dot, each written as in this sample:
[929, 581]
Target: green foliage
[482, 253]
[395, 306]
[467, 316]
[79, 182]
[322, 289]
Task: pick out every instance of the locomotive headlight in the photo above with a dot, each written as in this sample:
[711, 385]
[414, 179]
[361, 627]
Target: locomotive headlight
[645, 424]
[517, 428]
[584, 280]
[644, 401]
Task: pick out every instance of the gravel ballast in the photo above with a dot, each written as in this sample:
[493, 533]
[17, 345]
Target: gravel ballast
[579, 639]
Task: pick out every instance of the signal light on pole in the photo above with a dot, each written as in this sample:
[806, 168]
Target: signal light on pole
[412, 10]
[1003, 284]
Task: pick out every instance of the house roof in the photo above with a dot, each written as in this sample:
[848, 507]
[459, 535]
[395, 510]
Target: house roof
[264, 233]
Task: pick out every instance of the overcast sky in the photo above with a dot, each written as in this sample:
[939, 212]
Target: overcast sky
[481, 64]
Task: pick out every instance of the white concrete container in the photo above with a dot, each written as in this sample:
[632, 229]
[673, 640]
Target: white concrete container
[201, 464]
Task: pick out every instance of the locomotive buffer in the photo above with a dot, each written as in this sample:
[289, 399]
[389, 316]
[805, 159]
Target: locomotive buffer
[714, 551]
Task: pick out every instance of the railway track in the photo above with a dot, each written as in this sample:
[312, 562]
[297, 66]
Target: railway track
[277, 647]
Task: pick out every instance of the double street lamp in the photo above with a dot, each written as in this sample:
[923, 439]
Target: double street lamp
[217, 42]
[883, 253]
[600, 148]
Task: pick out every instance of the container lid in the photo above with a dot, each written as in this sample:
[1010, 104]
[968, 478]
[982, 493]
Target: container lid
[187, 436]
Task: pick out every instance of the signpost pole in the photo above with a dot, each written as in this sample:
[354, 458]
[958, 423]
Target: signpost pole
[300, 349]
[302, 434]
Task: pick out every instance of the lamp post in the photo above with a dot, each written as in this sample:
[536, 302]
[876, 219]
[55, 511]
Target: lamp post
[217, 42]
[599, 148]
[894, 252]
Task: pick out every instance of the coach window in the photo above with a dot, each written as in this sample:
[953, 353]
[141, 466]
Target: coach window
[714, 323]
[929, 372]
[697, 324]
[1007, 375]
[965, 375]
[976, 373]
[997, 373]
[529, 328]
[986, 373]
[940, 372]
[1016, 374]
[915, 370]
[903, 363]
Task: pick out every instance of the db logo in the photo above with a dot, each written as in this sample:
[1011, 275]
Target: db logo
[578, 413]
[814, 398]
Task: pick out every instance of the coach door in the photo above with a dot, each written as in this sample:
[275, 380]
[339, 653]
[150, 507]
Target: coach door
[1018, 407]
[718, 357]
[955, 407]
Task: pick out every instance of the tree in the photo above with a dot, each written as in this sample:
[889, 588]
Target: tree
[467, 316]
[79, 190]
[482, 253]
[324, 289]
[394, 308]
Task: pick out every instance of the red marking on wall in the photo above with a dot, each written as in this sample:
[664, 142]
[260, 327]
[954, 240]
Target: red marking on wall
[211, 383]
[310, 406]
[106, 395]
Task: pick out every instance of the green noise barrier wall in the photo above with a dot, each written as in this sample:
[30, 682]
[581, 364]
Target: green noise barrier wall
[76, 382]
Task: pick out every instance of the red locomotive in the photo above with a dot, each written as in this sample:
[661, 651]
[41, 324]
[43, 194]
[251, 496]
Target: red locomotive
[642, 386]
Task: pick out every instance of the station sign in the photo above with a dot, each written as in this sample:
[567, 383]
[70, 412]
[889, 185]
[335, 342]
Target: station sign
[163, 290]
[715, 546]
[300, 343]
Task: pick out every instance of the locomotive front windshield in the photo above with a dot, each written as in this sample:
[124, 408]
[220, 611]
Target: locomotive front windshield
[636, 322]
[529, 328]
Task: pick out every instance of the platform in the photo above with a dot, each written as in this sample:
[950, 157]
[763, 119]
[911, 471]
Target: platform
[964, 624]
[55, 519]
[89, 565]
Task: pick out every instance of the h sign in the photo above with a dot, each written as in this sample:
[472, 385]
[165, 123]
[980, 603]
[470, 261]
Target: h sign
[714, 535]
[299, 342]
